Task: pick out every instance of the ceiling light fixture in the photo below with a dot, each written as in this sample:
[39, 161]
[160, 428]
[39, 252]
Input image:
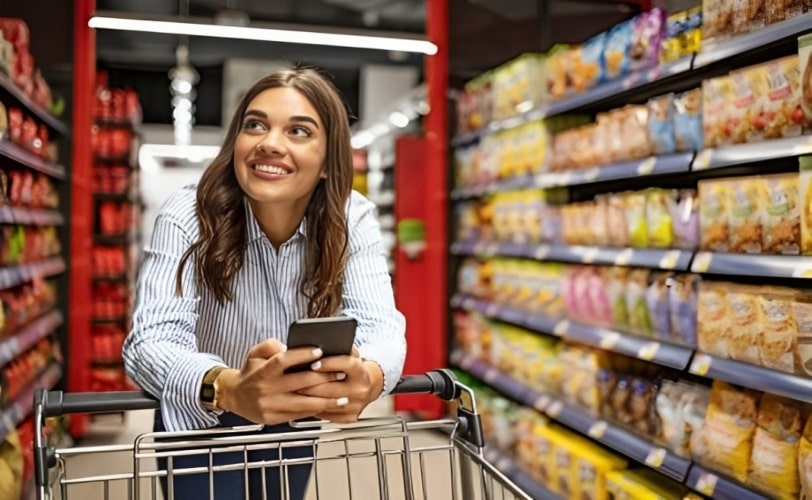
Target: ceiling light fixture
[207, 29]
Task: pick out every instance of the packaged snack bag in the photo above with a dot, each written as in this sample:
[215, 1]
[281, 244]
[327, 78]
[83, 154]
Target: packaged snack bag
[599, 221]
[783, 109]
[694, 411]
[643, 484]
[781, 214]
[618, 49]
[682, 308]
[659, 220]
[713, 319]
[642, 413]
[745, 324]
[590, 465]
[587, 68]
[635, 205]
[669, 404]
[778, 330]
[618, 226]
[805, 180]
[647, 35]
[661, 124]
[805, 70]
[746, 205]
[615, 280]
[688, 120]
[657, 298]
[781, 10]
[805, 460]
[730, 425]
[599, 298]
[717, 18]
[684, 211]
[716, 108]
[802, 311]
[746, 119]
[638, 312]
[774, 460]
[714, 215]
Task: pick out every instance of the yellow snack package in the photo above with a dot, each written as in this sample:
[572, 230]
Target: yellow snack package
[806, 199]
[643, 484]
[779, 332]
[781, 214]
[590, 465]
[713, 319]
[805, 460]
[730, 424]
[745, 338]
[774, 462]
[745, 209]
[714, 215]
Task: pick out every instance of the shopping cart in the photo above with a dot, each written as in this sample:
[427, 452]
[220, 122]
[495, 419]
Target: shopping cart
[387, 458]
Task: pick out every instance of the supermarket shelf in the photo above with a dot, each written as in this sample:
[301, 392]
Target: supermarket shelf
[8, 85]
[30, 216]
[469, 137]
[512, 471]
[611, 435]
[716, 486]
[16, 344]
[712, 52]
[754, 377]
[768, 266]
[632, 169]
[676, 260]
[12, 276]
[739, 154]
[647, 349]
[29, 159]
[632, 82]
[14, 414]
[535, 322]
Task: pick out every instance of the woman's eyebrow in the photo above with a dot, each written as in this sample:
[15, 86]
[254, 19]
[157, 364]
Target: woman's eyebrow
[304, 119]
[255, 112]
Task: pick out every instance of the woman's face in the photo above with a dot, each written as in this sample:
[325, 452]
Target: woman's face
[280, 150]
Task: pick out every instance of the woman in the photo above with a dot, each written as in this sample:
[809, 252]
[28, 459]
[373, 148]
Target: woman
[271, 234]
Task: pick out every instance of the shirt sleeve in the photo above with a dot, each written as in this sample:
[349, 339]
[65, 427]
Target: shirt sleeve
[160, 353]
[369, 298]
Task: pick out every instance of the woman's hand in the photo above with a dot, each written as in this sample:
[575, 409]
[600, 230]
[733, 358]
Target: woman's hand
[363, 384]
[263, 393]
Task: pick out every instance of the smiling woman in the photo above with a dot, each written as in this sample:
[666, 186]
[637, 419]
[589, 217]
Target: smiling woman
[273, 233]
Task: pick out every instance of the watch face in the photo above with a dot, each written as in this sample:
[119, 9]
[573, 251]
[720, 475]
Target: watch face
[207, 393]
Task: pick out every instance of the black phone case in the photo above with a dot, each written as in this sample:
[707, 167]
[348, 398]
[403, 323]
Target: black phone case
[334, 336]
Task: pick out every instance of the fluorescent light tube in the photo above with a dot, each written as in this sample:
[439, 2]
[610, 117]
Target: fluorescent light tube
[264, 34]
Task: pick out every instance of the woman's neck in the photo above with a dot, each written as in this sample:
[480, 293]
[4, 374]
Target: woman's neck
[278, 222]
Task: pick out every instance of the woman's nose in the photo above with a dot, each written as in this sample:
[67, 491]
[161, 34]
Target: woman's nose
[272, 143]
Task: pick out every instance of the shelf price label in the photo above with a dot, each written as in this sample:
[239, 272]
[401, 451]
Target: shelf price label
[609, 341]
[647, 166]
[706, 484]
[670, 259]
[803, 148]
[592, 174]
[648, 351]
[656, 457]
[492, 309]
[555, 408]
[542, 251]
[589, 255]
[702, 262]
[701, 364]
[624, 257]
[541, 403]
[490, 375]
[561, 328]
[466, 362]
[598, 429]
[703, 159]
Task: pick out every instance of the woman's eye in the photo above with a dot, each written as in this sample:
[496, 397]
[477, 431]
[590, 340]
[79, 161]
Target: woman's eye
[251, 124]
[300, 131]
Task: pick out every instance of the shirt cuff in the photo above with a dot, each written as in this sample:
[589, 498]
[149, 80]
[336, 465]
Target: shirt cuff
[391, 363]
[180, 402]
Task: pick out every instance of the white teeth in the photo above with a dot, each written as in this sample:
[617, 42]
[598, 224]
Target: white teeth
[271, 169]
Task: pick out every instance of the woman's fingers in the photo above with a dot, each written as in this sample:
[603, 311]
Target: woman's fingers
[267, 349]
[345, 364]
[303, 405]
[294, 357]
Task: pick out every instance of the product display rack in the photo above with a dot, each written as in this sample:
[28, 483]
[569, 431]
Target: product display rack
[713, 59]
[43, 328]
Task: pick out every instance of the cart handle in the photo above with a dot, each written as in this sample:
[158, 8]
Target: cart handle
[441, 383]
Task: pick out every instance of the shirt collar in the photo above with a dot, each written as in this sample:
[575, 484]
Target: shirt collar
[255, 232]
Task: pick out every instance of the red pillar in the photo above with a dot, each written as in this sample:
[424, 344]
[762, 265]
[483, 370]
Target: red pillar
[421, 182]
[81, 215]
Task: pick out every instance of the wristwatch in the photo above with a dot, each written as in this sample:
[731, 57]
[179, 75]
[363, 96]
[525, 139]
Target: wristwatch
[209, 393]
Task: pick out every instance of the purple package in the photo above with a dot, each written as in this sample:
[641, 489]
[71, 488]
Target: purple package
[682, 297]
[657, 299]
[685, 220]
[647, 36]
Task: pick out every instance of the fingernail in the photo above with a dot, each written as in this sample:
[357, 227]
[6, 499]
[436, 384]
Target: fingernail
[341, 376]
[342, 401]
[316, 365]
[317, 352]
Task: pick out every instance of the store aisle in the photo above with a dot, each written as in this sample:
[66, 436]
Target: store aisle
[331, 475]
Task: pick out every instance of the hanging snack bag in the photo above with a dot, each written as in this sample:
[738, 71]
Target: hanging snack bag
[635, 204]
[745, 209]
[779, 333]
[685, 219]
[670, 404]
[647, 35]
[661, 124]
[682, 300]
[658, 217]
[658, 303]
[638, 312]
[745, 324]
[713, 319]
[714, 215]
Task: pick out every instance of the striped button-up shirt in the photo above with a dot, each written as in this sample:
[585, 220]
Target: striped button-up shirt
[175, 339]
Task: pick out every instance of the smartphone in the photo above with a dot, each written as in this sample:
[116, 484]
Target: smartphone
[333, 335]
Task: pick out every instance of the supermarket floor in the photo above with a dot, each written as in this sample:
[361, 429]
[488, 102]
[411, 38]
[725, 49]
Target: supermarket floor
[332, 475]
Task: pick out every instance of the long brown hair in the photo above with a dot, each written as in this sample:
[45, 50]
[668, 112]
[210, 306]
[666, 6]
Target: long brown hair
[219, 251]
